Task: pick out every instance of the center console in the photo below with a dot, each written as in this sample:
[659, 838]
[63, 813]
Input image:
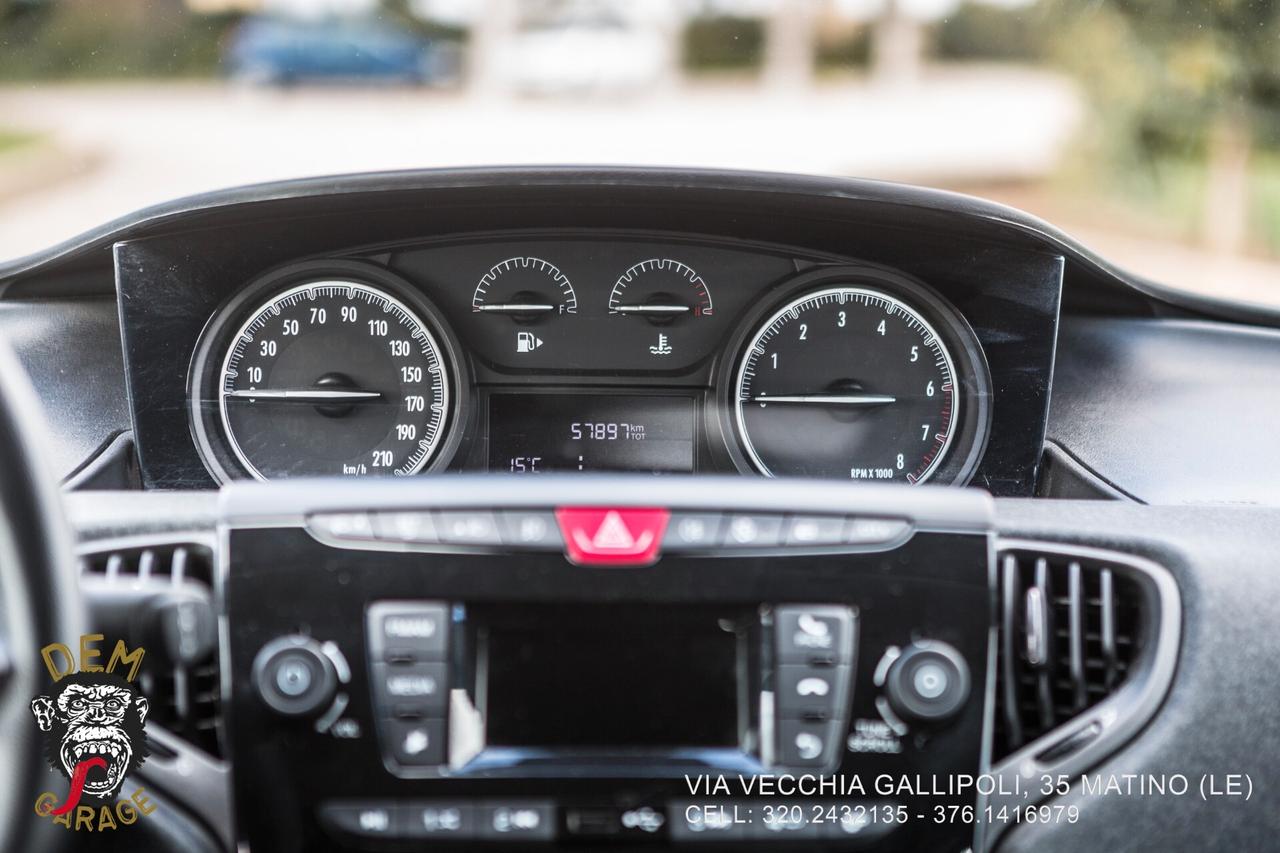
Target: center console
[657, 662]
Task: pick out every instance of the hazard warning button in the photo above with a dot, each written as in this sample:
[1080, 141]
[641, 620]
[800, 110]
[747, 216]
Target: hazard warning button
[602, 536]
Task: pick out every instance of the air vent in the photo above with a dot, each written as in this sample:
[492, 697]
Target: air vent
[160, 597]
[1070, 632]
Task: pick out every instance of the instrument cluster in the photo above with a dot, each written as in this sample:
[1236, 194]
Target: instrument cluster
[590, 353]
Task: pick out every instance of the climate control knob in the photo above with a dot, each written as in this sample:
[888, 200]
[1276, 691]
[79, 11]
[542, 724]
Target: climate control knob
[294, 677]
[928, 683]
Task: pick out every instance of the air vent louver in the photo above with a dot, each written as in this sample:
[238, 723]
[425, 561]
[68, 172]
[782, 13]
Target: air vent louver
[1069, 633]
[185, 699]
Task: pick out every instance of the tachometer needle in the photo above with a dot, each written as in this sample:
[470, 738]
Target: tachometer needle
[517, 307]
[306, 395]
[828, 399]
[651, 309]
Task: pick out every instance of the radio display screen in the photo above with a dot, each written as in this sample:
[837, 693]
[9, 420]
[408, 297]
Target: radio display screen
[536, 433]
[606, 676]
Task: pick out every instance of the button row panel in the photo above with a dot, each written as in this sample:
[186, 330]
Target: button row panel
[538, 530]
[409, 673]
[457, 820]
[525, 529]
[681, 821]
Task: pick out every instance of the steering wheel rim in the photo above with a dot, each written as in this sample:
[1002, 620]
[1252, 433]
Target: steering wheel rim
[39, 601]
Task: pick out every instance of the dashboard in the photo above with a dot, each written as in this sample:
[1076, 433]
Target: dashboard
[619, 347]
[541, 423]
[677, 356]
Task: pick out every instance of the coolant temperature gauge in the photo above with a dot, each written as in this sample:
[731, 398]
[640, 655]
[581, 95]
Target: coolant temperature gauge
[661, 291]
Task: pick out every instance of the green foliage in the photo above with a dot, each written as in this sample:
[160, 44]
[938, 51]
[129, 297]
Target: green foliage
[79, 39]
[723, 43]
[1171, 70]
[849, 49]
[984, 32]
[14, 139]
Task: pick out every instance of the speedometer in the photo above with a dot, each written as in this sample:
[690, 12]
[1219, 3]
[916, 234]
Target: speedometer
[333, 377]
[853, 381]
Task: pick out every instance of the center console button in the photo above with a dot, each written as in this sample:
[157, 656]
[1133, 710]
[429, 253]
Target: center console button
[467, 527]
[349, 526]
[422, 686]
[293, 676]
[876, 531]
[784, 821]
[643, 823]
[814, 633]
[531, 529]
[416, 743]
[753, 531]
[365, 820]
[409, 630]
[928, 683]
[811, 692]
[531, 820]
[808, 744]
[707, 821]
[815, 530]
[408, 527]
[454, 820]
[693, 531]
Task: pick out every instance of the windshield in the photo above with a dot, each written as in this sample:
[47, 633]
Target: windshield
[1147, 129]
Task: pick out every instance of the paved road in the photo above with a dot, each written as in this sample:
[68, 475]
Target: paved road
[151, 143]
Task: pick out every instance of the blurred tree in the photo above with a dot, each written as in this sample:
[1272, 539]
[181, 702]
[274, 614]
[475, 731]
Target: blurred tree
[723, 43]
[983, 31]
[1192, 79]
[83, 39]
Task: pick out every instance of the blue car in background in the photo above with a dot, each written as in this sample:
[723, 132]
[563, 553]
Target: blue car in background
[281, 51]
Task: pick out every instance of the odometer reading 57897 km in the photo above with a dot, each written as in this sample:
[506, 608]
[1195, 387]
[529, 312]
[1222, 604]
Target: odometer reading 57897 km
[847, 382]
[333, 378]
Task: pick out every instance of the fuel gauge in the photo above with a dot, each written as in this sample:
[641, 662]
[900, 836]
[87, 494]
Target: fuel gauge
[660, 290]
[524, 289]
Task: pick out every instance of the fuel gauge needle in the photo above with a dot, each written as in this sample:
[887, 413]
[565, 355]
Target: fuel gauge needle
[516, 307]
[306, 395]
[827, 399]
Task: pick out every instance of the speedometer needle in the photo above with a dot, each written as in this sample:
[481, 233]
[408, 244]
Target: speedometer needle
[306, 395]
[828, 399]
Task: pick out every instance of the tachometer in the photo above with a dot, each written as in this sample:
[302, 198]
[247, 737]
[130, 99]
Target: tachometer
[333, 377]
[852, 381]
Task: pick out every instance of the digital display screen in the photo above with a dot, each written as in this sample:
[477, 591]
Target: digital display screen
[575, 677]
[539, 433]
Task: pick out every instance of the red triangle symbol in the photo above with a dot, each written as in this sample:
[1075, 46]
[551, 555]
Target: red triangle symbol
[602, 536]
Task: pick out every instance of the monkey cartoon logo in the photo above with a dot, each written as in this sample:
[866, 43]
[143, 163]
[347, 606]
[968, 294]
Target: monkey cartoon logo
[93, 724]
[94, 732]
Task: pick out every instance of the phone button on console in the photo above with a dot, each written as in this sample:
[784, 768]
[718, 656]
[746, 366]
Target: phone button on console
[811, 692]
[814, 633]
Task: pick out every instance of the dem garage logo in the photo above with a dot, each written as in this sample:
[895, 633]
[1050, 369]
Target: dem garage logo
[93, 735]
